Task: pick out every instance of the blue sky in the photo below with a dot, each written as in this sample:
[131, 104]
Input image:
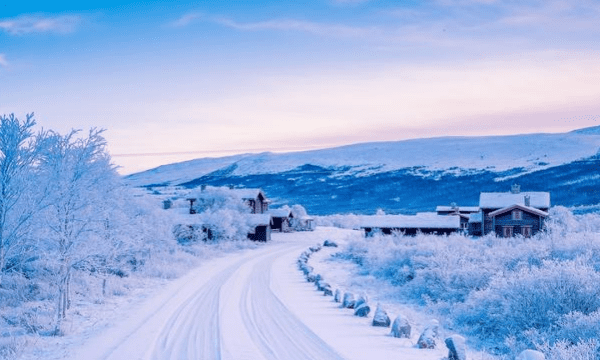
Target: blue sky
[184, 80]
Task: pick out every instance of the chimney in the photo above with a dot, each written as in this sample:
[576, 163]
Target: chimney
[527, 200]
[167, 204]
[515, 189]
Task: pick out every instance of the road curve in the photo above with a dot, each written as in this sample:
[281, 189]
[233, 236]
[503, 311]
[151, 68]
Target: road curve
[225, 309]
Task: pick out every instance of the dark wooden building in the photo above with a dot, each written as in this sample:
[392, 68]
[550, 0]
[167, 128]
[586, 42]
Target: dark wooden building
[512, 213]
[281, 219]
[260, 227]
[255, 199]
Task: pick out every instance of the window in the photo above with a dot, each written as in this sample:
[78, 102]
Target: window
[517, 215]
[507, 231]
[526, 231]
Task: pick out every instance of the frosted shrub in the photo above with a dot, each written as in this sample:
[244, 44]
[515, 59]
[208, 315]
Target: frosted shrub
[10, 347]
[532, 298]
[565, 350]
[530, 291]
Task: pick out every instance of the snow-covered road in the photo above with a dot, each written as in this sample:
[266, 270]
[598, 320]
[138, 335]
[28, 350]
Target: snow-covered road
[252, 305]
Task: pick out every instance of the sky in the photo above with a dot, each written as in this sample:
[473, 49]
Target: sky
[172, 81]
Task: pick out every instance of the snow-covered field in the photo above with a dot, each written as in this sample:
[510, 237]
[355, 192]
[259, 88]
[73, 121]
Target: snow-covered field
[251, 304]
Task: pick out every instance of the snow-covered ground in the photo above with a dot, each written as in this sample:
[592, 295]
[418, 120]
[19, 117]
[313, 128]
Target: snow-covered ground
[251, 304]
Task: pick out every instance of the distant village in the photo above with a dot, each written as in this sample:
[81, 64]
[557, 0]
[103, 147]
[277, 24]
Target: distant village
[506, 214]
[254, 212]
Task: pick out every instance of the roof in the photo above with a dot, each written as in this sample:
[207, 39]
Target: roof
[419, 221]
[258, 219]
[521, 207]
[280, 212]
[475, 217]
[497, 200]
[471, 209]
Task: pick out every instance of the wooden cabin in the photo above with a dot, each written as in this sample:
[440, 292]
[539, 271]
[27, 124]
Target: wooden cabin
[255, 199]
[512, 213]
[260, 227]
[282, 219]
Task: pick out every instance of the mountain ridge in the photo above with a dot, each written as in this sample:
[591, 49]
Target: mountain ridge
[404, 176]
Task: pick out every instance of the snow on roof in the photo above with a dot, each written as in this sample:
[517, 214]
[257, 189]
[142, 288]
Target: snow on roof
[459, 208]
[280, 212]
[497, 200]
[522, 207]
[475, 217]
[419, 221]
[258, 219]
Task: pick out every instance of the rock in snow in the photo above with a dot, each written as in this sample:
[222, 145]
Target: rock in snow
[381, 317]
[401, 327]
[348, 301]
[428, 336]
[362, 299]
[330, 243]
[530, 355]
[456, 348]
[338, 296]
[362, 310]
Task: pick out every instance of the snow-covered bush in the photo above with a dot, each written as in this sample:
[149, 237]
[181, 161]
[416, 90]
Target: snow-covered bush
[511, 293]
[220, 215]
[342, 221]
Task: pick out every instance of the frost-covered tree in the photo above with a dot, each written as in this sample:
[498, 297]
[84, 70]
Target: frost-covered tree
[20, 150]
[79, 178]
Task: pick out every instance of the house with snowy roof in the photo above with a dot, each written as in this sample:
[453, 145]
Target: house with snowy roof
[254, 198]
[259, 220]
[260, 227]
[426, 223]
[282, 219]
[510, 213]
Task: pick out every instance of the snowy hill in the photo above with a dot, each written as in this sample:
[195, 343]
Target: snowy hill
[404, 176]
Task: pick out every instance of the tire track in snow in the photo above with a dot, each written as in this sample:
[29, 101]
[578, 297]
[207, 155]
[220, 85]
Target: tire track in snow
[193, 332]
[276, 331]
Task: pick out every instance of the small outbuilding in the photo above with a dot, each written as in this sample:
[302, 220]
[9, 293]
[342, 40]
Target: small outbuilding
[260, 227]
[282, 219]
